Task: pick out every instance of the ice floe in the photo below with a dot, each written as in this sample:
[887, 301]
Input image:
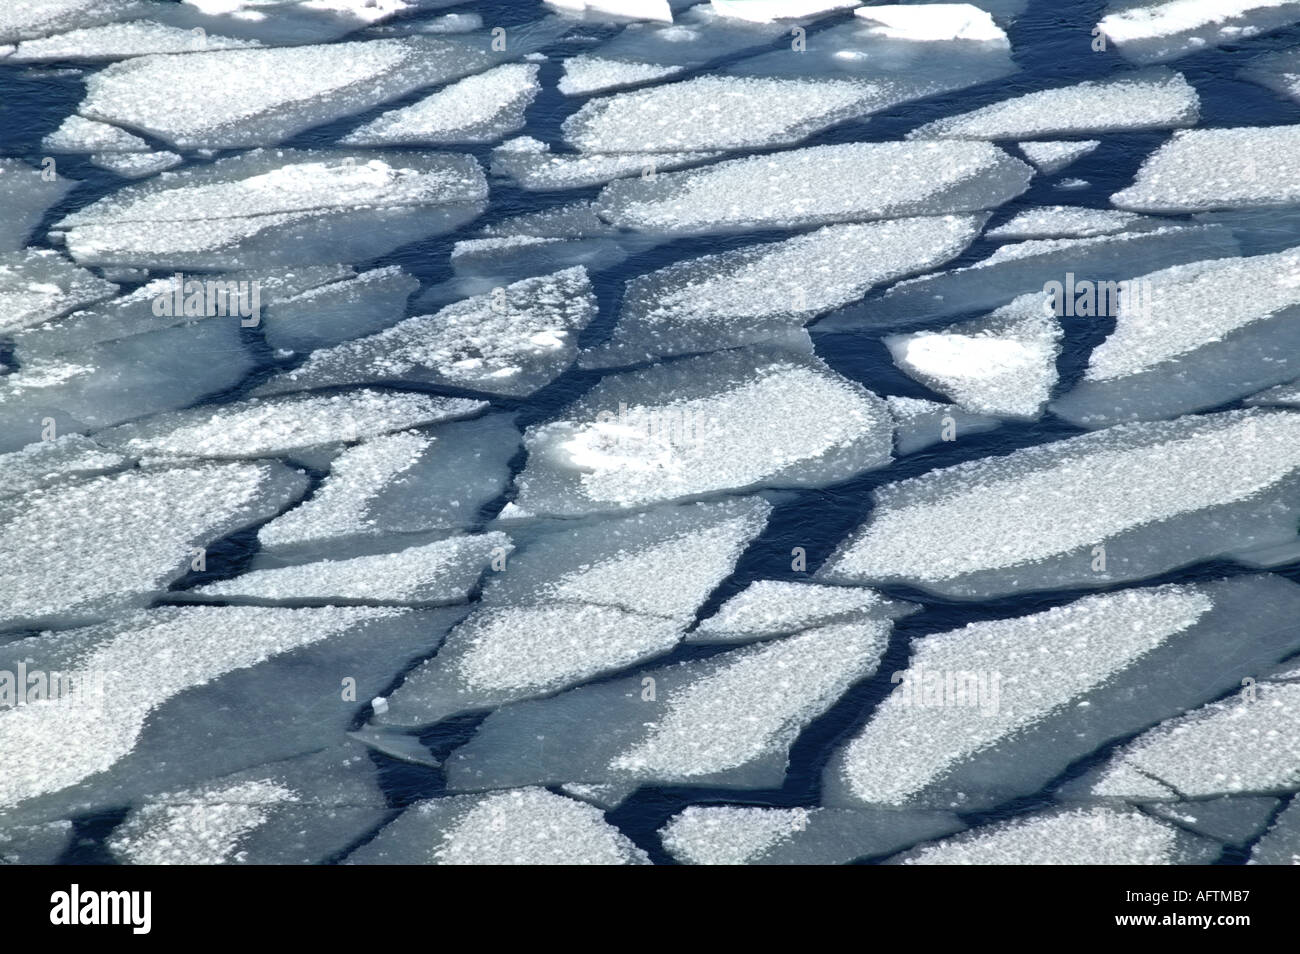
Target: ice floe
[1084, 836]
[919, 423]
[45, 462]
[1281, 843]
[1067, 221]
[38, 284]
[630, 9]
[765, 11]
[329, 314]
[137, 165]
[480, 108]
[529, 826]
[1154, 30]
[1121, 504]
[998, 708]
[585, 74]
[1202, 169]
[26, 193]
[441, 572]
[724, 422]
[725, 721]
[736, 835]
[933, 22]
[401, 483]
[747, 295]
[26, 19]
[512, 340]
[78, 134]
[280, 207]
[768, 608]
[1192, 337]
[130, 534]
[276, 427]
[532, 164]
[115, 41]
[1158, 99]
[231, 98]
[1004, 365]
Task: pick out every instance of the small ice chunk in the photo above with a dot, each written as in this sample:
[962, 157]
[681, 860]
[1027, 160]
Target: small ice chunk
[78, 134]
[729, 421]
[1082, 836]
[820, 184]
[933, 22]
[38, 284]
[134, 533]
[528, 826]
[585, 74]
[1154, 99]
[1050, 516]
[1067, 221]
[437, 573]
[761, 291]
[1052, 157]
[512, 340]
[1202, 169]
[769, 608]
[1004, 365]
[401, 483]
[480, 108]
[277, 427]
[137, 165]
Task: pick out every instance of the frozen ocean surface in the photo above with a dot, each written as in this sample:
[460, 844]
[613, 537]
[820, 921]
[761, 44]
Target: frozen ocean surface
[650, 431]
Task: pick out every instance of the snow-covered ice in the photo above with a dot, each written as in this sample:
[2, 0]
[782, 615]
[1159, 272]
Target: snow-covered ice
[768, 608]
[1050, 157]
[38, 284]
[1153, 30]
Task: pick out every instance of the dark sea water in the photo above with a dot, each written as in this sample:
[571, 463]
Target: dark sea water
[1050, 41]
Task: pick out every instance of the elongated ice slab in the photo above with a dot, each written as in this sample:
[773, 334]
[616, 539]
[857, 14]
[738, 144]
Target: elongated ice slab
[231, 98]
[267, 208]
[136, 165]
[529, 826]
[25, 19]
[725, 422]
[729, 720]
[1193, 337]
[933, 22]
[480, 108]
[718, 112]
[441, 572]
[135, 533]
[1202, 169]
[1004, 365]
[769, 608]
[115, 41]
[512, 340]
[818, 185]
[735, 835]
[630, 9]
[279, 426]
[1154, 496]
[1086, 836]
[744, 296]
[1157, 99]
[1066, 221]
[585, 74]
[401, 483]
[532, 164]
[1246, 743]
[765, 11]
[46, 462]
[79, 134]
